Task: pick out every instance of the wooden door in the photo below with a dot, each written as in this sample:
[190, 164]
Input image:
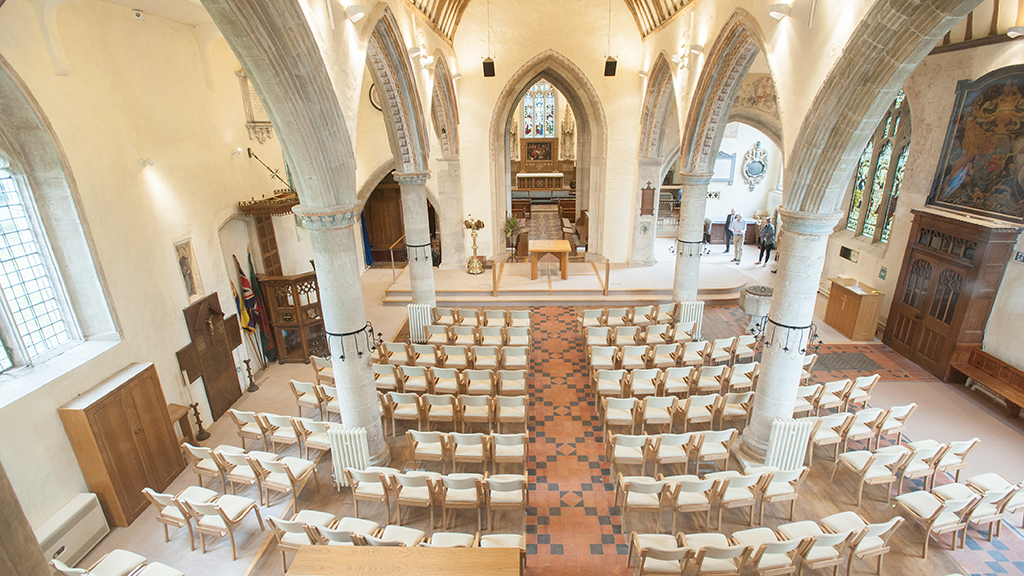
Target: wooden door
[119, 435]
[384, 223]
[922, 318]
[164, 462]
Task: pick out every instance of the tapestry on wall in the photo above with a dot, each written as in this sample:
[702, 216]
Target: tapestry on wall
[981, 169]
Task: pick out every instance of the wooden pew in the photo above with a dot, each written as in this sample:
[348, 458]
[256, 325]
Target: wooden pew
[1004, 380]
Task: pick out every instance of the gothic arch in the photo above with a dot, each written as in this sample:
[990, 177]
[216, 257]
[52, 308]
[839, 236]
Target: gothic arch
[728, 62]
[767, 125]
[592, 126]
[874, 65]
[378, 174]
[392, 72]
[659, 101]
[444, 108]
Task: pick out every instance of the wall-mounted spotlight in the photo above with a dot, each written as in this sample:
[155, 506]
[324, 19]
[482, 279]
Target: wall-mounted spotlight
[779, 11]
[696, 48]
[427, 62]
[488, 67]
[643, 73]
[237, 151]
[609, 66]
[676, 58]
[355, 12]
[415, 51]
[456, 76]
[145, 162]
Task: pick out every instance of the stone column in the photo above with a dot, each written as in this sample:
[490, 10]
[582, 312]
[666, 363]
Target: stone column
[645, 228]
[453, 237]
[417, 235]
[691, 229]
[801, 259]
[21, 553]
[341, 301]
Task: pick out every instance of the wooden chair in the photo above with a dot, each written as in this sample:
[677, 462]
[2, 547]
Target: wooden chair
[518, 336]
[638, 542]
[721, 560]
[445, 316]
[640, 494]
[872, 468]
[658, 411]
[664, 561]
[619, 412]
[665, 355]
[371, 485]
[458, 357]
[615, 317]
[314, 435]
[438, 408]
[644, 382]
[509, 449]
[323, 370]
[666, 313]
[475, 410]
[699, 410]
[492, 336]
[515, 357]
[820, 550]
[660, 334]
[469, 317]
[200, 459]
[510, 410]
[833, 396]
[641, 315]
[507, 541]
[463, 336]
[468, 449]
[687, 493]
[171, 511]
[462, 492]
[770, 556]
[602, 358]
[291, 534]
[894, 422]
[609, 383]
[744, 348]
[287, 476]
[633, 357]
[589, 318]
[806, 398]
[505, 492]
[667, 449]
[496, 318]
[710, 379]
[742, 377]
[863, 426]
[830, 432]
[385, 377]
[735, 406]
[392, 353]
[437, 335]
[860, 392]
[446, 381]
[694, 353]
[428, 447]
[808, 365]
[628, 450]
[737, 490]
[937, 516]
[220, 518]
[720, 351]
[626, 336]
[414, 379]
[920, 464]
[306, 396]
[279, 430]
[520, 318]
[954, 459]
[869, 541]
[512, 382]
[404, 406]
[248, 426]
[237, 470]
[784, 486]
[415, 489]
[479, 382]
[677, 381]
[715, 447]
[329, 399]
[486, 357]
[397, 536]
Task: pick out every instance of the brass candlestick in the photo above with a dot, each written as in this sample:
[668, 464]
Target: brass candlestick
[475, 267]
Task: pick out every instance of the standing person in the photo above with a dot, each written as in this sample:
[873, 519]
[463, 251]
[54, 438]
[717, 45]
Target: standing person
[739, 228]
[767, 238]
[728, 230]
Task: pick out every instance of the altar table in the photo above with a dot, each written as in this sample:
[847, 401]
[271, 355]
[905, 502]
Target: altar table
[558, 248]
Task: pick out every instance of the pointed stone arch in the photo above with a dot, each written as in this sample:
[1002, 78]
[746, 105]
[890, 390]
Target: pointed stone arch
[659, 98]
[592, 139]
[444, 108]
[392, 71]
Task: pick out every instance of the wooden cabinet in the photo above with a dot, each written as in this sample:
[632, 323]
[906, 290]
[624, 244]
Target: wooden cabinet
[122, 436]
[853, 308]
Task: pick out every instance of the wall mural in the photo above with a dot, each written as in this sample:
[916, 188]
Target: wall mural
[981, 169]
[758, 94]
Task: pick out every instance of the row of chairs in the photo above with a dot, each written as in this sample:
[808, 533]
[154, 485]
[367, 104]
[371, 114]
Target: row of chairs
[119, 563]
[787, 550]
[470, 335]
[650, 334]
[701, 447]
[675, 381]
[715, 352]
[626, 316]
[451, 356]
[276, 429]
[667, 410]
[437, 380]
[474, 317]
[425, 409]
[839, 394]
[474, 448]
[839, 429]
[211, 513]
[462, 491]
[268, 471]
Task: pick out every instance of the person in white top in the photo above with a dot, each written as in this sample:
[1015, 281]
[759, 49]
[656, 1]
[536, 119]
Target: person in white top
[738, 227]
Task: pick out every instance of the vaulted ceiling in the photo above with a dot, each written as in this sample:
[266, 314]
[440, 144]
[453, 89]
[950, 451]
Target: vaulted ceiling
[649, 14]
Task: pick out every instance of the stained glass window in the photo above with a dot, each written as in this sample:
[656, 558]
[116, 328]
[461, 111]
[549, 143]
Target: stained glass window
[539, 111]
[873, 198]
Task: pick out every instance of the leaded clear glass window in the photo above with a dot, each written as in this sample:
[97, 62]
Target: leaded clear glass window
[539, 111]
[876, 184]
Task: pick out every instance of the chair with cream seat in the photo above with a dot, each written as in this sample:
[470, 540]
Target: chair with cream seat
[461, 492]
[633, 357]
[463, 336]
[291, 534]
[386, 377]
[677, 381]
[329, 399]
[658, 411]
[371, 485]
[279, 430]
[664, 355]
[659, 334]
[468, 449]
[663, 561]
[479, 382]
[668, 449]
[833, 396]
[721, 560]
[954, 459]
[438, 408]
[735, 406]
[589, 318]
[425, 355]
[445, 381]
[609, 384]
[414, 379]
[520, 318]
[597, 336]
[742, 377]
[710, 379]
[615, 317]
[871, 541]
[807, 366]
[494, 317]
[666, 313]
[404, 406]
[393, 535]
[201, 460]
[509, 449]
[306, 396]
[469, 317]
[744, 348]
[602, 358]
[644, 382]
[336, 536]
[737, 490]
[830, 432]
[475, 410]
[115, 563]
[515, 358]
[486, 357]
[806, 398]
[444, 316]
[638, 542]
[505, 492]
[392, 353]
[287, 476]
[428, 447]
[314, 435]
[716, 447]
[688, 493]
[863, 427]
[415, 489]
[784, 486]
[510, 410]
[220, 517]
[640, 494]
[492, 335]
[872, 468]
[237, 469]
[249, 426]
[641, 315]
[770, 556]
[323, 370]
[920, 464]
[518, 336]
[720, 351]
[699, 410]
[628, 450]
[821, 550]
[937, 516]
[436, 334]
[452, 540]
[507, 541]
[693, 353]
[619, 412]
[511, 382]
[686, 332]
[989, 481]
[626, 336]
[170, 508]
[990, 509]
[860, 392]
[894, 422]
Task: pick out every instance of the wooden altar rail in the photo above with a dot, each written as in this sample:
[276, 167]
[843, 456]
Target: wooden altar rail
[998, 376]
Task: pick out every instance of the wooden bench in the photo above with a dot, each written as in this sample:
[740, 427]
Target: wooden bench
[1004, 380]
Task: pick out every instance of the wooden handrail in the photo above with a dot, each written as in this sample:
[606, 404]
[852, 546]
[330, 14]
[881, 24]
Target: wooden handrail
[392, 247]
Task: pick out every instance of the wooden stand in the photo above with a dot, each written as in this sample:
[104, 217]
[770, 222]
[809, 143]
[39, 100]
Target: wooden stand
[853, 309]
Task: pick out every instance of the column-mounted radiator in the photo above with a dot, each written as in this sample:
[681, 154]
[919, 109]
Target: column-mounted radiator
[419, 316]
[692, 312]
[787, 443]
[73, 531]
[348, 450]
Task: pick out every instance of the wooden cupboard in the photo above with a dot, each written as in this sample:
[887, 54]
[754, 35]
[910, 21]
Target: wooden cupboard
[122, 436]
[853, 309]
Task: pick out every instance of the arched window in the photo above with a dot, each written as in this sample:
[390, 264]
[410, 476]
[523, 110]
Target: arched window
[876, 184]
[539, 111]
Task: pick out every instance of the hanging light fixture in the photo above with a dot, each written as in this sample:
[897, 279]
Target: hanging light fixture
[609, 63]
[488, 62]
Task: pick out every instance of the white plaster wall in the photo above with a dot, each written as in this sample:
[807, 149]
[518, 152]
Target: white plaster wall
[931, 91]
[738, 196]
[136, 90]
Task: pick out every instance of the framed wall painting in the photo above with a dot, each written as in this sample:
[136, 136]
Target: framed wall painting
[981, 167]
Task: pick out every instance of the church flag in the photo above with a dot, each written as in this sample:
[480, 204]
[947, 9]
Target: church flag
[266, 336]
[249, 320]
[243, 313]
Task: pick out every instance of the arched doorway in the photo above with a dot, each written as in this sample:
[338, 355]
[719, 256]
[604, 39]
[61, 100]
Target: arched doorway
[384, 227]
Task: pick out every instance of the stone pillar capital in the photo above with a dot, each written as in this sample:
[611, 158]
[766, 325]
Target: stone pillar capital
[327, 218]
[687, 179]
[809, 223]
[412, 177]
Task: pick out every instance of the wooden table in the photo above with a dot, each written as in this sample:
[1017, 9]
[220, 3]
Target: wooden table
[179, 414]
[417, 560]
[557, 248]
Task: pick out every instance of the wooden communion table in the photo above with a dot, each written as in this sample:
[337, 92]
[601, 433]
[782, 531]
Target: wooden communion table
[558, 248]
[416, 560]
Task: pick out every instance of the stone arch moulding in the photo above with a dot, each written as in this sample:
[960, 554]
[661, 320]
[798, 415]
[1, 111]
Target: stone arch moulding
[444, 108]
[765, 124]
[392, 72]
[730, 58]
[378, 174]
[592, 139]
[856, 93]
[658, 100]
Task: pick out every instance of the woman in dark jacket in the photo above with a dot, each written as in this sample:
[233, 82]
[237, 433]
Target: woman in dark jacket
[767, 240]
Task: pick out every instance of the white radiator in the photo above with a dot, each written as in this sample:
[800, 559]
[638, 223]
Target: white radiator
[419, 316]
[70, 533]
[787, 443]
[692, 312]
[348, 450]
